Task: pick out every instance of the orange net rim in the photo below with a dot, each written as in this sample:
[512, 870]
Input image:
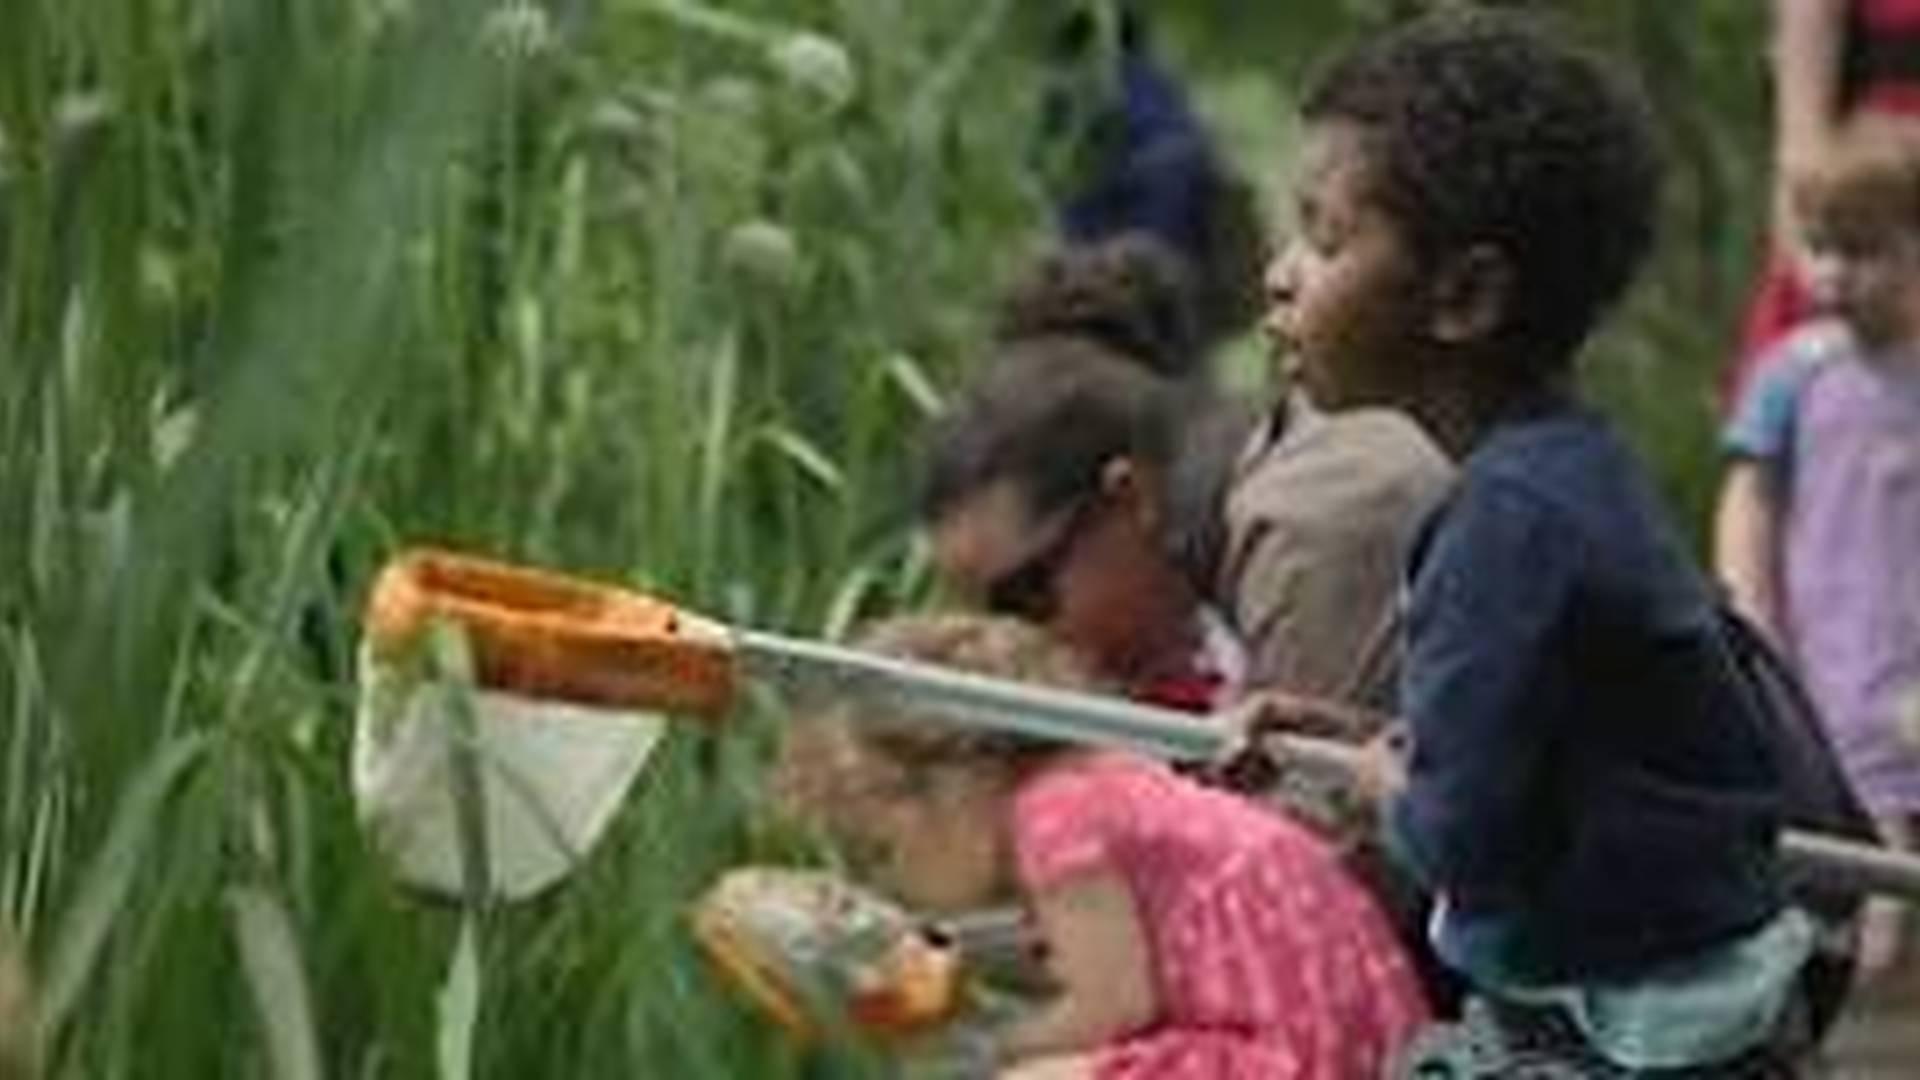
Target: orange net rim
[550, 634]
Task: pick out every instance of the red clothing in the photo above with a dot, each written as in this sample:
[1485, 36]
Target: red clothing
[1208, 680]
[1188, 691]
[1269, 960]
[1881, 71]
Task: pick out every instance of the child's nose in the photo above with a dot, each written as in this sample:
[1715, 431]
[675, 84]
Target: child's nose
[1278, 280]
[1825, 277]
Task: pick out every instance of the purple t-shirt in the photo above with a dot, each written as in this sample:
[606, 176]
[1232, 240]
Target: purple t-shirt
[1841, 435]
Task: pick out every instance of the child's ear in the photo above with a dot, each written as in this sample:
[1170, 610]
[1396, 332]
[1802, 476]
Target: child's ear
[1125, 484]
[1471, 296]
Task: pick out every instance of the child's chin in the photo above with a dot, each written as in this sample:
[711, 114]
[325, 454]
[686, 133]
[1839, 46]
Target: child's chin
[1327, 395]
[1875, 340]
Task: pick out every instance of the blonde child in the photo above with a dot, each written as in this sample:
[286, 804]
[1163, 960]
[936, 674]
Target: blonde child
[1819, 521]
[1190, 933]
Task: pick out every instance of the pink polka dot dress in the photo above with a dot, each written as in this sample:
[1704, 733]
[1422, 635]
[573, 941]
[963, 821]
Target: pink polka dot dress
[1270, 961]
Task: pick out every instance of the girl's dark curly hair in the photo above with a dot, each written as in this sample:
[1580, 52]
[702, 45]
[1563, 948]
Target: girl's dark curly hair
[1129, 294]
[1483, 129]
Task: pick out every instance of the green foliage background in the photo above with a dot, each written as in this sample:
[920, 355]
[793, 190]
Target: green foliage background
[644, 288]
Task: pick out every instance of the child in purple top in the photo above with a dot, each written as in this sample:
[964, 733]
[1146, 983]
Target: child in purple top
[1819, 531]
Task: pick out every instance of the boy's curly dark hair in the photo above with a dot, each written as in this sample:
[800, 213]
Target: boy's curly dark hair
[1129, 294]
[1485, 129]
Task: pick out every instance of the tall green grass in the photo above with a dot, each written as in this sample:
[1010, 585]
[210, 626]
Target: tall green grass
[645, 288]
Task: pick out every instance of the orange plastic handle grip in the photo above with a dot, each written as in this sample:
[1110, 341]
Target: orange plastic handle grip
[918, 986]
[542, 634]
[758, 980]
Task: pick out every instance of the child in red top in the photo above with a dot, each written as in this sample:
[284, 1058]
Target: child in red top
[1191, 933]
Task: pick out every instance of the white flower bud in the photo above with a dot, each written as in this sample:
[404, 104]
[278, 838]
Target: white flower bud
[819, 67]
[732, 95]
[612, 119]
[762, 251]
[518, 30]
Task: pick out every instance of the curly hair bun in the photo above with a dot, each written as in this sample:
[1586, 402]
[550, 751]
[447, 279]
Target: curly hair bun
[1129, 294]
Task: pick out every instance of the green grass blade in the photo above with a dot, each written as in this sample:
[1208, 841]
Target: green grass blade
[716, 448]
[270, 956]
[799, 451]
[458, 1007]
[109, 879]
[912, 380]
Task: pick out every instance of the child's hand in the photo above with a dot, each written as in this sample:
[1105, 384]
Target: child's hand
[1252, 760]
[1907, 718]
[1099, 955]
[1380, 768]
[1076, 1067]
[1255, 756]
[1277, 711]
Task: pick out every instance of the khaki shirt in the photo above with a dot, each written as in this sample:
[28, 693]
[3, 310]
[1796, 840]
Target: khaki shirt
[1319, 515]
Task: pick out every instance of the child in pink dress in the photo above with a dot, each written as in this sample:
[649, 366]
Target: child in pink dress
[1191, 933]
[1268, 959]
